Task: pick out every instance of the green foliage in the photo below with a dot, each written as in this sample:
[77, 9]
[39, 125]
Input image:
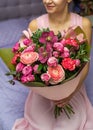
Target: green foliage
[83, 53]
[59, 35]
[35, 84]
[40, 67]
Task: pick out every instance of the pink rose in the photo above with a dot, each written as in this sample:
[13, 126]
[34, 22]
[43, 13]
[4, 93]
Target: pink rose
[58, 46]
[56, 54]
[27, 70]
[24, 79]
[57, 74]
[69, 64]
[52, 61]
[19, 67]
[63, 42]
[65, 54]
[30, 78]
[29, 57]
[45, 77]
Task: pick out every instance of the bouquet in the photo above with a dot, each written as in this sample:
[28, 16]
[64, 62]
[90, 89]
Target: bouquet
[44, 59]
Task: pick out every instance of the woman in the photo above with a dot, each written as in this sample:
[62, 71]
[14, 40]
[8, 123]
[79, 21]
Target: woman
[39, 110]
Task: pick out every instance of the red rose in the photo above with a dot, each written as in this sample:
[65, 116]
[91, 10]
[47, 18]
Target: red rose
[69, 64]
[72, 42]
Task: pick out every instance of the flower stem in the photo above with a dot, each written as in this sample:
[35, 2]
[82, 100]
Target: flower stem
[68, 109]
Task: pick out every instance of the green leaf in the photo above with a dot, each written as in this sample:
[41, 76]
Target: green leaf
[6, 55]
[45, 68]
[86, 59]
[34, 84]
[40, 67]
[11, 73]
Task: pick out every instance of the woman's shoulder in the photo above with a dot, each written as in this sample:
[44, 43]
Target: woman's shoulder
[85, 20]
[85, 24]
[87, 27]
[33, 25]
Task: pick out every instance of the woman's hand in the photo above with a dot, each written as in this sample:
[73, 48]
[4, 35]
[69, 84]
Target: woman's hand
[63, 102]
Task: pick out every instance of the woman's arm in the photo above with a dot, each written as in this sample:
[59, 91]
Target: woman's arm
[33, 25]
[87, 27]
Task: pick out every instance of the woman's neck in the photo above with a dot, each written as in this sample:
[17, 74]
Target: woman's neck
[60, 17]
[59, 21]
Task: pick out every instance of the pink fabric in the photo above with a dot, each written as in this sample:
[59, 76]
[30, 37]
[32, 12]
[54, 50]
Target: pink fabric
[39, 111]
